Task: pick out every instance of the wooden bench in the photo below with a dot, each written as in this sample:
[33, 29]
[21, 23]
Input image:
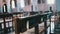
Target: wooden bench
[3, 16]
[32, 30]
[20, 23]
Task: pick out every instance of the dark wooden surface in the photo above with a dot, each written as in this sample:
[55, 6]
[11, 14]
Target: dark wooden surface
[4, 16]
[34, 20]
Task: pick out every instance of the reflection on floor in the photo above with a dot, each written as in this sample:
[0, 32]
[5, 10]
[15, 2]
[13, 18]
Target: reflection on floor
[52, 28]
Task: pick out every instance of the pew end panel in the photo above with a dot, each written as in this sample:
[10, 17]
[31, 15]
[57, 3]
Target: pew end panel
[20, 25]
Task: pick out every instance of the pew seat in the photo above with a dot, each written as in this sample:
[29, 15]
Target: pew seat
[41, 29]
[31, 31]
[7, 20]
[9, 25]
[34, 20]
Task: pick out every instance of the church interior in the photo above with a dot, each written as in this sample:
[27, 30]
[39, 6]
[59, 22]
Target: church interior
[29, 16]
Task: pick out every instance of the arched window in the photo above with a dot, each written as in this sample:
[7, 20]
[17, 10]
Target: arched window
[39, 1]
[50, 1]
[28, 2]
[12, 3]
[43, 1]
[22, 2]
[15, 3]
[4, 8]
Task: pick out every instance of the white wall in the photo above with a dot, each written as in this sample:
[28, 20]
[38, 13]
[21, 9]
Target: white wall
[41, 7]
[27, 8]
[1, 4]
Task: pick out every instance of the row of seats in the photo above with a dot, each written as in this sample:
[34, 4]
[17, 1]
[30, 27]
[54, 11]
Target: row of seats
[10, 20]
[20, 24]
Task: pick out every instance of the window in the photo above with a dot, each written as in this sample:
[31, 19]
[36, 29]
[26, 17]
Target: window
[39, 1]
[43, 1]
[4, 8]
[22, 3]
[25, 2]
[28, 2]
[13, 4]
[50, 1]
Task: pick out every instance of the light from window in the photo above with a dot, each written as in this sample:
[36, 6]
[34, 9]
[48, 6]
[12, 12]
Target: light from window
[4, 8]
[50, 1]
[22, 3]
[13, 4]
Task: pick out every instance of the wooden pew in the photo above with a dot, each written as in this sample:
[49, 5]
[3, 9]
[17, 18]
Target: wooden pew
[4, 16]
[0, 28]
[23, 20]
